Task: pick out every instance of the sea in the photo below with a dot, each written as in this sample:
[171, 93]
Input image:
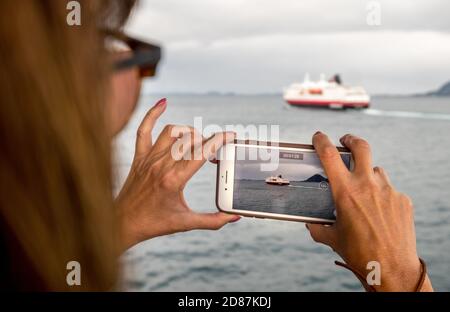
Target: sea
[410, 139]
[306, 199]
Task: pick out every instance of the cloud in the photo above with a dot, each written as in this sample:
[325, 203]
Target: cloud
[211, 20]
[262, 46]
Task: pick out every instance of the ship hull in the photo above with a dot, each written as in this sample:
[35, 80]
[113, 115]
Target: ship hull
[278, 183]
[327, 103]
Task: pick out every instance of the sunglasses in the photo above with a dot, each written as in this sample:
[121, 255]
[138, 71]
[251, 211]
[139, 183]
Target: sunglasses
[145, 56]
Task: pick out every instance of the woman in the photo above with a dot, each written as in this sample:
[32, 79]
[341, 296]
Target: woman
[61, 105]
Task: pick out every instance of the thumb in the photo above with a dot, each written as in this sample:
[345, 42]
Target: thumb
[322, 234]
[212, 221]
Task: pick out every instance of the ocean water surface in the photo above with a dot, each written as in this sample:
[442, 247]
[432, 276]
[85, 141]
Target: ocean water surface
[307, 199]
[410, 138]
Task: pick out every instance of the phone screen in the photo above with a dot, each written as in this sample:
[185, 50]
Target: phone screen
[282, 181]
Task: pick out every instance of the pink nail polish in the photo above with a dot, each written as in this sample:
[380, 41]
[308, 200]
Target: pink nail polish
[237, 218]
[161, 102]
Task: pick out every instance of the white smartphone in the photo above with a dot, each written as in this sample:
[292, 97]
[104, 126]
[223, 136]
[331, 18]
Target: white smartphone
[282, 181]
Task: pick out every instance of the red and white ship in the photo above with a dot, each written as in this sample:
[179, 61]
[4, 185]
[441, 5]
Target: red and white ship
[325, 93]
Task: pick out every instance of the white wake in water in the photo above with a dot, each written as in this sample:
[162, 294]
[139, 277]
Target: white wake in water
[307, 187]
[405, 114]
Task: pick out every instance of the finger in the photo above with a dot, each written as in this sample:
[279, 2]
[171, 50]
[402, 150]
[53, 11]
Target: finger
[322, 234]
[214, 143]
[361, 153]
[169, 135]
[211, 221]
[230, 137]
[144, 133]
[184, 147]
[330, 158]
[381, 176]
[207, 150]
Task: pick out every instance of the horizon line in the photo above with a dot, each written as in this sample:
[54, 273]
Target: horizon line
[232, 93]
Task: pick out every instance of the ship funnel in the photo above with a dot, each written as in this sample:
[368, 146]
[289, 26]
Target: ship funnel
[306, 79]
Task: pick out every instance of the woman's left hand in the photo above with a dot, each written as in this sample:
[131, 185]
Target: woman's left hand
[151, 202]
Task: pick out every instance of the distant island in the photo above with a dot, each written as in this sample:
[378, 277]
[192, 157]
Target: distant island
[316, 178]
[442, 91]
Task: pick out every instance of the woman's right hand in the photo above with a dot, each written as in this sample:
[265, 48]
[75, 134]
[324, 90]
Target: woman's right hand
[151, 202]
[374, 222]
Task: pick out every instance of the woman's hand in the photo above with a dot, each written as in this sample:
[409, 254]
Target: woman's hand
[374, 222]
[151, 202]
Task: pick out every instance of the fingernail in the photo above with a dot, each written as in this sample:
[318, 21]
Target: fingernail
[344, 138]
[318, 132]
[235, 219]
[161, 102]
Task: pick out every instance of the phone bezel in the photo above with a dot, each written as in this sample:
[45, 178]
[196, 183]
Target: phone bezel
[225, 180]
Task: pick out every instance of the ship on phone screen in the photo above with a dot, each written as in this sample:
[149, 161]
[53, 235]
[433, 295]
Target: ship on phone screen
[297, 185]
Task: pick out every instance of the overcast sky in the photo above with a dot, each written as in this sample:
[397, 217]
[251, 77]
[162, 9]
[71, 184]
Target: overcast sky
[261, 46]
